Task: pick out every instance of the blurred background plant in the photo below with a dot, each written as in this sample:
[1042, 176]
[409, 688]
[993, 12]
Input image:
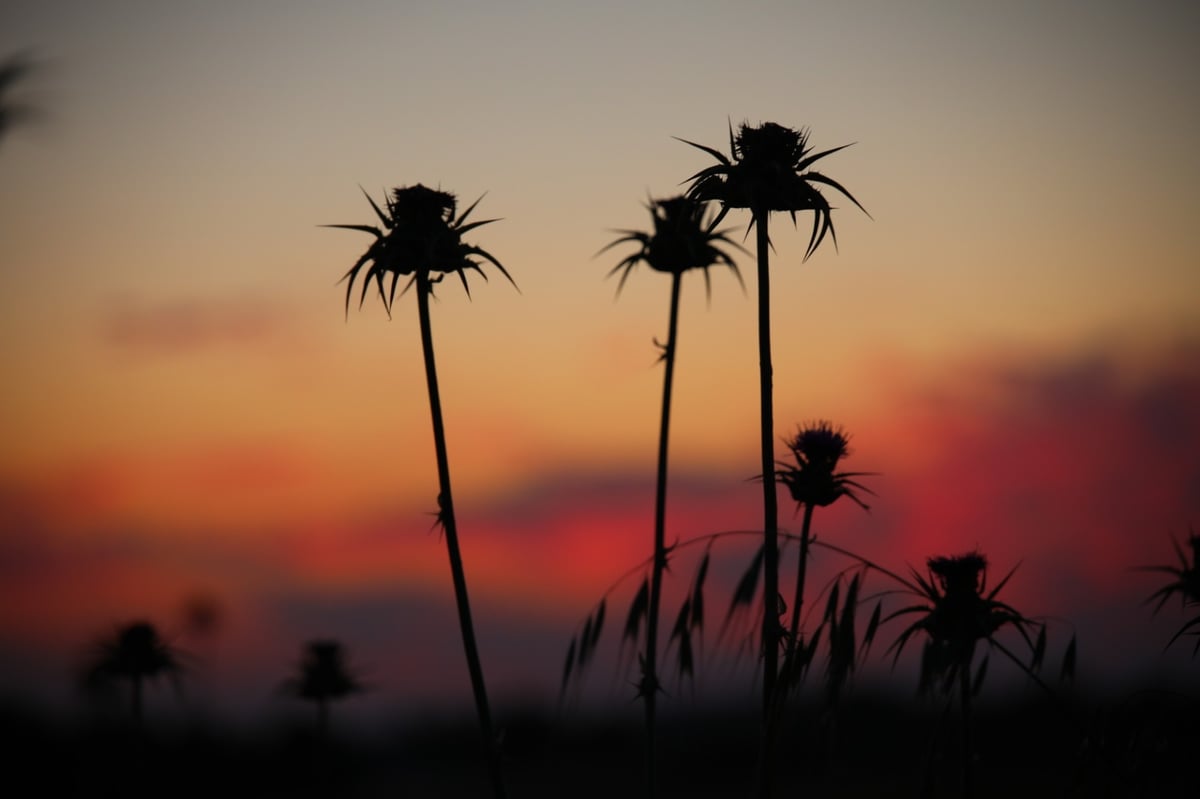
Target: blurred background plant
[15, 111]
[322, 676]
[134, 654]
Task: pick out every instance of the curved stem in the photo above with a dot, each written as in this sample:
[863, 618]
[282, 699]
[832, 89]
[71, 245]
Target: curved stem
[770, 620]
[660, 546]
[450, 527]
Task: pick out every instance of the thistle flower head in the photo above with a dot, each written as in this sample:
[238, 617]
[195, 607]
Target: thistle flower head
[771, 145]
[961, 576]
[958, 612]
[770, 171]
[679, 241]
[420, 236]
[817, 449]
[820, 445]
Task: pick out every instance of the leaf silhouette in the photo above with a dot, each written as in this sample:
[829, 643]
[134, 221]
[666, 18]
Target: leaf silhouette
[637, 613]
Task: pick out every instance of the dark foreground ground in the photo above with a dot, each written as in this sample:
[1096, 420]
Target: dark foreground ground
[1145, 744]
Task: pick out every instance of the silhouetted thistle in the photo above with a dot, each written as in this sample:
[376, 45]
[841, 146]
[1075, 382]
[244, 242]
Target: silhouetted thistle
[136, 654]
[814, 482]
[323, 676]
[421, 238]
[956, 614]
[679, 242]
[1186, 584]
[770, 170]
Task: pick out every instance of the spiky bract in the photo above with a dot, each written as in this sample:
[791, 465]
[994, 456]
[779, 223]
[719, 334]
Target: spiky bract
[1186, 584]
[420, 235]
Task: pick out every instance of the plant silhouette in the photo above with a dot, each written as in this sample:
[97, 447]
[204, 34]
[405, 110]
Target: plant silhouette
[137, 654]
[769, 169]
[680, 241]
[14, 69]
[1185, 583]
[814, 482]
[421, 238]
[323, 676]
[956, 613]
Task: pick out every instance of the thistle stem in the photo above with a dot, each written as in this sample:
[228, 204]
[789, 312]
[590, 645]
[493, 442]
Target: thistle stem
[450, 528]
[660, 547]
[770, 620]
[798, 603]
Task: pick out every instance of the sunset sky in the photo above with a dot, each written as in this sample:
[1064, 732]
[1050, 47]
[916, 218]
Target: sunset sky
[1012, 338]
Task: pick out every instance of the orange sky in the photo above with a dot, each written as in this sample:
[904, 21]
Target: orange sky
[1012, 337]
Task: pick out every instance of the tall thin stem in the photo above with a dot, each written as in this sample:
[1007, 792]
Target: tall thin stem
[450, 528]
[660, 546]
[770, 621]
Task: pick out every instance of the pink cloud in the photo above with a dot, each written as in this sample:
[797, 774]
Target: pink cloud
[1078, 470]
[191, 325]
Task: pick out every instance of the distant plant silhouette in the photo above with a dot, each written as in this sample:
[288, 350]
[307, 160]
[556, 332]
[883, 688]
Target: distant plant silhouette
[421, 238]
[1185, 583]
[680, 241]
[323, 676]
[13, 70]
[136, 654]
[957, 613]
[814, 482]
[769, 169]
